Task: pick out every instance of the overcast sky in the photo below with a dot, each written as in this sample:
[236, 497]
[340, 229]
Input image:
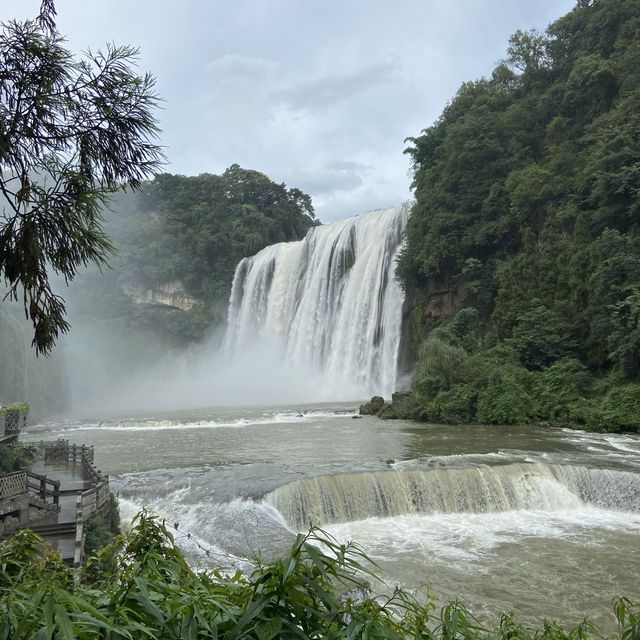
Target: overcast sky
[319, 94]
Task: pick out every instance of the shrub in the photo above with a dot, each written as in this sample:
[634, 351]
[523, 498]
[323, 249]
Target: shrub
[563, 393]
[437, 368]
[315, 591]
[456, 406]
[18, 456]
[620, 409]
[506, 399]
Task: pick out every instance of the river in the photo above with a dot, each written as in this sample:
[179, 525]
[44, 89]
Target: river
[538, 521]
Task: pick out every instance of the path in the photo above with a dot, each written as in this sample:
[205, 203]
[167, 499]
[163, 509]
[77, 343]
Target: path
[61, 533]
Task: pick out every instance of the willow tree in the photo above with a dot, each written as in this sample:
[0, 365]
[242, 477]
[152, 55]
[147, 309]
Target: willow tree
[72, 131]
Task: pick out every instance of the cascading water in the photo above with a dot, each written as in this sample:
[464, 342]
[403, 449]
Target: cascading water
[330, 303]
[520, 486]
[531, 519]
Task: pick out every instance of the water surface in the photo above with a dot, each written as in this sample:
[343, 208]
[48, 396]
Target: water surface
[535, 520]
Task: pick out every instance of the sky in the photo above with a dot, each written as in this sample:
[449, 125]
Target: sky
[318, 94]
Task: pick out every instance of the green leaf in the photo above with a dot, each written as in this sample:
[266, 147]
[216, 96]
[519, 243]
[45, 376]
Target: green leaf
[268, 629]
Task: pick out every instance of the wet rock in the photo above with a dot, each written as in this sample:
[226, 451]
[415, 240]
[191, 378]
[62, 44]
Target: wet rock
[387, 411]
[372, 407]
[399, 396]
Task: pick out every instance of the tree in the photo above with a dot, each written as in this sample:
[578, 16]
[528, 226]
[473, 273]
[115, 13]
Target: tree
[72, 131]
[541, 336]
[528, 50]
[624, 340]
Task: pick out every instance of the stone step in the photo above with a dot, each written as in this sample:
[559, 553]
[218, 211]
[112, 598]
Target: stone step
[55, 530]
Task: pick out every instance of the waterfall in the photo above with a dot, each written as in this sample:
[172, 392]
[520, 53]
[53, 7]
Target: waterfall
[520, 486]
[330, 303]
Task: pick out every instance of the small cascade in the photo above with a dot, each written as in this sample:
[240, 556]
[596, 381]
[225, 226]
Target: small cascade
[520, 486]
[330, 302]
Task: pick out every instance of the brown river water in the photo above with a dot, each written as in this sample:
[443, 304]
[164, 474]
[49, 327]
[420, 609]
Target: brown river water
[542, 522]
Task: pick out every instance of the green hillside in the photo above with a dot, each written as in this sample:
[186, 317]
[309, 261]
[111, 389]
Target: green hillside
[522, 260]
[186, 235]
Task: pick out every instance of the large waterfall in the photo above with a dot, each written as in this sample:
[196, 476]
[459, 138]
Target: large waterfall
[330, 303]
[356, 496]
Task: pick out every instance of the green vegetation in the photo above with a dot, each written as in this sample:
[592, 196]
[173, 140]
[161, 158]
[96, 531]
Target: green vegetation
[189, 233]
[101, 528]
[72, 131]
[99, 533]
[16, 406]
[310, 593]
[17, 456]
[197, 229]
[522, 258]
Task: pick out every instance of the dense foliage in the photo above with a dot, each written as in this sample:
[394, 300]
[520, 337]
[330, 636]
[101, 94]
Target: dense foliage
[72, 130]
[17, 456]
[315, 591]
[527, 225]
[190, 233]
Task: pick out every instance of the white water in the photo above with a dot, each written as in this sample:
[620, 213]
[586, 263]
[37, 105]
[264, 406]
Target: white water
[518, 486]
[329, 303]
[538, 521]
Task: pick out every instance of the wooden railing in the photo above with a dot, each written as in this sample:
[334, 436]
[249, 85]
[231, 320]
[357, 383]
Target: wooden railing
[20, 482]
[11, 421]
[19, 493]
[43, 487]
[13, 484]
[62, 451]
[94, 500]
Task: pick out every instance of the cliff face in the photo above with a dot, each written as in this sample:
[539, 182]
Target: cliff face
[170, 294]
[443, 302]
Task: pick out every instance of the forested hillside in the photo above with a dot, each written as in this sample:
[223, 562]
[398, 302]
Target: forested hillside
[178, 241]
[522, 258]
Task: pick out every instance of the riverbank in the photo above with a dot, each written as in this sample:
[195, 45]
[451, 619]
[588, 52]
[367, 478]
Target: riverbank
[562, 396]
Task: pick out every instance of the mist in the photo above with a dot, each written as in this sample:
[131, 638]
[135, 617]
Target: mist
[102, 379]
[299, 330]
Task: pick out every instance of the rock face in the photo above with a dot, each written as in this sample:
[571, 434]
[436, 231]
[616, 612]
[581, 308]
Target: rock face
[398, 396]
[170, 294]
[443, 302]
[372, 407]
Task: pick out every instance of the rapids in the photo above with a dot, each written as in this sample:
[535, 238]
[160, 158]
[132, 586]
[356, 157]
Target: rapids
[544, 522]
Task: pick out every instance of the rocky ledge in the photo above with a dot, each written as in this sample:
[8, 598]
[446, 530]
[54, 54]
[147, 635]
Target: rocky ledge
[378, 407]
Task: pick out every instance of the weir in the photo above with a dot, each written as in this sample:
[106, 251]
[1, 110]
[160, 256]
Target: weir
[520, 486]
[329, 302]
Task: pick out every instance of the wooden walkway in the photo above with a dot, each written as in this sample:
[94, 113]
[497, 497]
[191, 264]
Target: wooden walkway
[68, 486]
[61, 532]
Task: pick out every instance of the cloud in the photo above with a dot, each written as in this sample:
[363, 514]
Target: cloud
[327, 179]
[324, 90]
[233, 65]
[319, 95]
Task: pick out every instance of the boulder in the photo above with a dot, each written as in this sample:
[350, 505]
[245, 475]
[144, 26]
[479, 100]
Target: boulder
[398, 397]
[372, 407]
[387, 411]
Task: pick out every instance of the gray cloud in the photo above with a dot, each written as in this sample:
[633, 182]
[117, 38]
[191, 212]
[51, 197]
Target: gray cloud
[316, 94]
[233, 65]
[329, 179]
[323, 91]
